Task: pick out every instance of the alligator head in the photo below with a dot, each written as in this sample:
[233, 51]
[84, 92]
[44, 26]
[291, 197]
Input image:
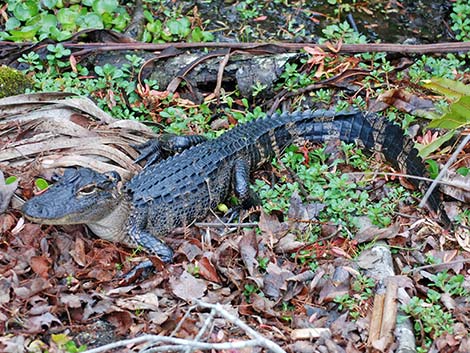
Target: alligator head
[80, 196]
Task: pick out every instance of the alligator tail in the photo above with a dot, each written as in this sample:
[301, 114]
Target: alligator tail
[372, 132]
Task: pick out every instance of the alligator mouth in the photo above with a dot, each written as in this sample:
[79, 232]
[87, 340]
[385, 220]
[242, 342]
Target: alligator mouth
[43, 219]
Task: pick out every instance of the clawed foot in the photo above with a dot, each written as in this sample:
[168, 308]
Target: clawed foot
[150, 150]
[142, 270]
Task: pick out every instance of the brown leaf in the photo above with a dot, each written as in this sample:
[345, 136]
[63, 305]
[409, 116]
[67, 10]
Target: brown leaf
[207, 270]
[13, 343]
[288, 243]
[458, 186]
[41, 266]
[335, 286]
[30, 234]
[7, 222]
[190, 250]
[32, 287]
[301, 214]
[122, 320]
[248, 248]
[275, 280]
[263, 305]
[147, 301]
[368, 232]
[342, 327]
[406, 101]
[302, 347]
[158, 317]
[187, 287]
[71, 300]
[37, 324]
[78, 252]
[271, 229]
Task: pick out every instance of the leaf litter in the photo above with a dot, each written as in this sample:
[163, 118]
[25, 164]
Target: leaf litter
[61, 280]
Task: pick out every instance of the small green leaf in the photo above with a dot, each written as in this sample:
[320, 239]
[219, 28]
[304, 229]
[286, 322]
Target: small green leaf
[105, 6]
[59, 35]
[222, 207]
[60, 339]
[41, 184]
[90, 20]
[67, 18]
[50, 4]
[11, 179]
[174, 26]
[26, 33]
[148, 16]
[26, 10]
[196, 35]
[433, 168]
[12, 23]
[48, 21]
[463, 171]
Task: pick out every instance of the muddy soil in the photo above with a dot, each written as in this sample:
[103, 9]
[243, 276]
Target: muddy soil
[387, 21]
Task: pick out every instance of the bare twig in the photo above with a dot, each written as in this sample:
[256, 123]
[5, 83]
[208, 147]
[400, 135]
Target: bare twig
[435, 266]
[183, 319]
[187, 345]
[177, 344]
[224, 225]
[203, 329]
[408, 176]
[262, 341]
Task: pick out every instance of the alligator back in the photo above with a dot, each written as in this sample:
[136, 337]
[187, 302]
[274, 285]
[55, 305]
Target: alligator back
[182, 188]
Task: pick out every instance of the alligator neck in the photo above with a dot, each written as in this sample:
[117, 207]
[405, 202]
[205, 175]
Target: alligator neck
[112, 227]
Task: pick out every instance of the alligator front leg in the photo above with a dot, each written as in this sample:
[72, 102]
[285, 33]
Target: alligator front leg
[149, 242]
[241, 185]
[155, 149]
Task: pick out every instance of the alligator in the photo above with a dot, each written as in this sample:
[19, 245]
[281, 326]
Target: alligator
[182, 188]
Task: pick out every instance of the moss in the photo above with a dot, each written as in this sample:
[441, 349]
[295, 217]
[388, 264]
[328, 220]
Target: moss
[13, 82]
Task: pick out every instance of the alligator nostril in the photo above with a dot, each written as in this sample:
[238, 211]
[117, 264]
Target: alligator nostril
[31, 207]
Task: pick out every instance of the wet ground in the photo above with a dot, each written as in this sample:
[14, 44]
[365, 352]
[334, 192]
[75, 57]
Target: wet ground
[388, 21]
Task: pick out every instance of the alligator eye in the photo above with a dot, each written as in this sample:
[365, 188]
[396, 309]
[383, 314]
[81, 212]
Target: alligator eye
[87, 190]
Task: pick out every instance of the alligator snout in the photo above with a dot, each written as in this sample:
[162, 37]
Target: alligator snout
[33, 209]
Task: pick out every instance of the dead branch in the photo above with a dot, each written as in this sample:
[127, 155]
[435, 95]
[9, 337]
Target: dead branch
[175, 344]
[446, 47]
[188, 345]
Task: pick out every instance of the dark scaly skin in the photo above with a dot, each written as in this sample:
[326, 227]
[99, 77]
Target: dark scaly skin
[183, 188]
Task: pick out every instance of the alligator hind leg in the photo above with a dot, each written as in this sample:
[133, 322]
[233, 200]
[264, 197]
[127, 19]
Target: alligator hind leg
[241, 185]
[158, 148]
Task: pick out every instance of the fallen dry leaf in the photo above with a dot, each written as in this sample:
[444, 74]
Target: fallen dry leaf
[248, 248]
[335, 286]
[147, 301]
[122, 320]
[37, 324]
[187, 287]
[41, 266]
[271, 229]
[207, 270]
[275, 281]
